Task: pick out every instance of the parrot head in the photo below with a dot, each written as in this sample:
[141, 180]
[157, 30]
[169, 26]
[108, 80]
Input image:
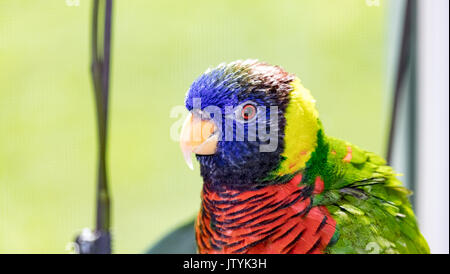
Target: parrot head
[249, 124]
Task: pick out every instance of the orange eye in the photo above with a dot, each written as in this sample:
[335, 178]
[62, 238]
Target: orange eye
[248, 112]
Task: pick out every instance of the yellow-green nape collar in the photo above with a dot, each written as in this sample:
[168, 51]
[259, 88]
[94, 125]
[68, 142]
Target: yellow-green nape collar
[300, 133]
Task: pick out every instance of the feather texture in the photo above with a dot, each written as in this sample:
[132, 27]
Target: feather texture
[313, 194]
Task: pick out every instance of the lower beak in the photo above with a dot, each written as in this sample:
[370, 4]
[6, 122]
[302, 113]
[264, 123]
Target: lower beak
[198, 136]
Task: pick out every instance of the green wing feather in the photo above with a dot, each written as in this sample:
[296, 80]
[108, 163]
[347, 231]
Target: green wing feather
[367, 201]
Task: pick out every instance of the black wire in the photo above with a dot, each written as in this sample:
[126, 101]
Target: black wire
[101, 49]
[402, 69]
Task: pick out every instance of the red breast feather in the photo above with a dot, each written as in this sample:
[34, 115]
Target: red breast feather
[270, 220]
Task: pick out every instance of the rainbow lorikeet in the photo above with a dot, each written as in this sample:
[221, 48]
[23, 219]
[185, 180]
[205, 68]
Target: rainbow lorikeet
[274, 182]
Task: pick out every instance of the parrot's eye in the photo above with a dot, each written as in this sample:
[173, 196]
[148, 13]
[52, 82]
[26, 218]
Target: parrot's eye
[248, 112]
[244, 113]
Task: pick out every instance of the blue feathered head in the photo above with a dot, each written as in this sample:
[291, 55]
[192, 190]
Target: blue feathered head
[237, 112]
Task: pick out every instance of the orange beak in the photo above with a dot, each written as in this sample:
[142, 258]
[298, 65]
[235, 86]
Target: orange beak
[198, 136]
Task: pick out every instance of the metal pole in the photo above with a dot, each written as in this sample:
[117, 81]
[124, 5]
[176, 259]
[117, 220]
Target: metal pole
[405, 62]
[99, 241]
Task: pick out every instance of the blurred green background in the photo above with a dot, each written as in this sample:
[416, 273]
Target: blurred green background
[47, 117]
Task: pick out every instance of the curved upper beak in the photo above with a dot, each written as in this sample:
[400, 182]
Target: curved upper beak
[198, 136]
